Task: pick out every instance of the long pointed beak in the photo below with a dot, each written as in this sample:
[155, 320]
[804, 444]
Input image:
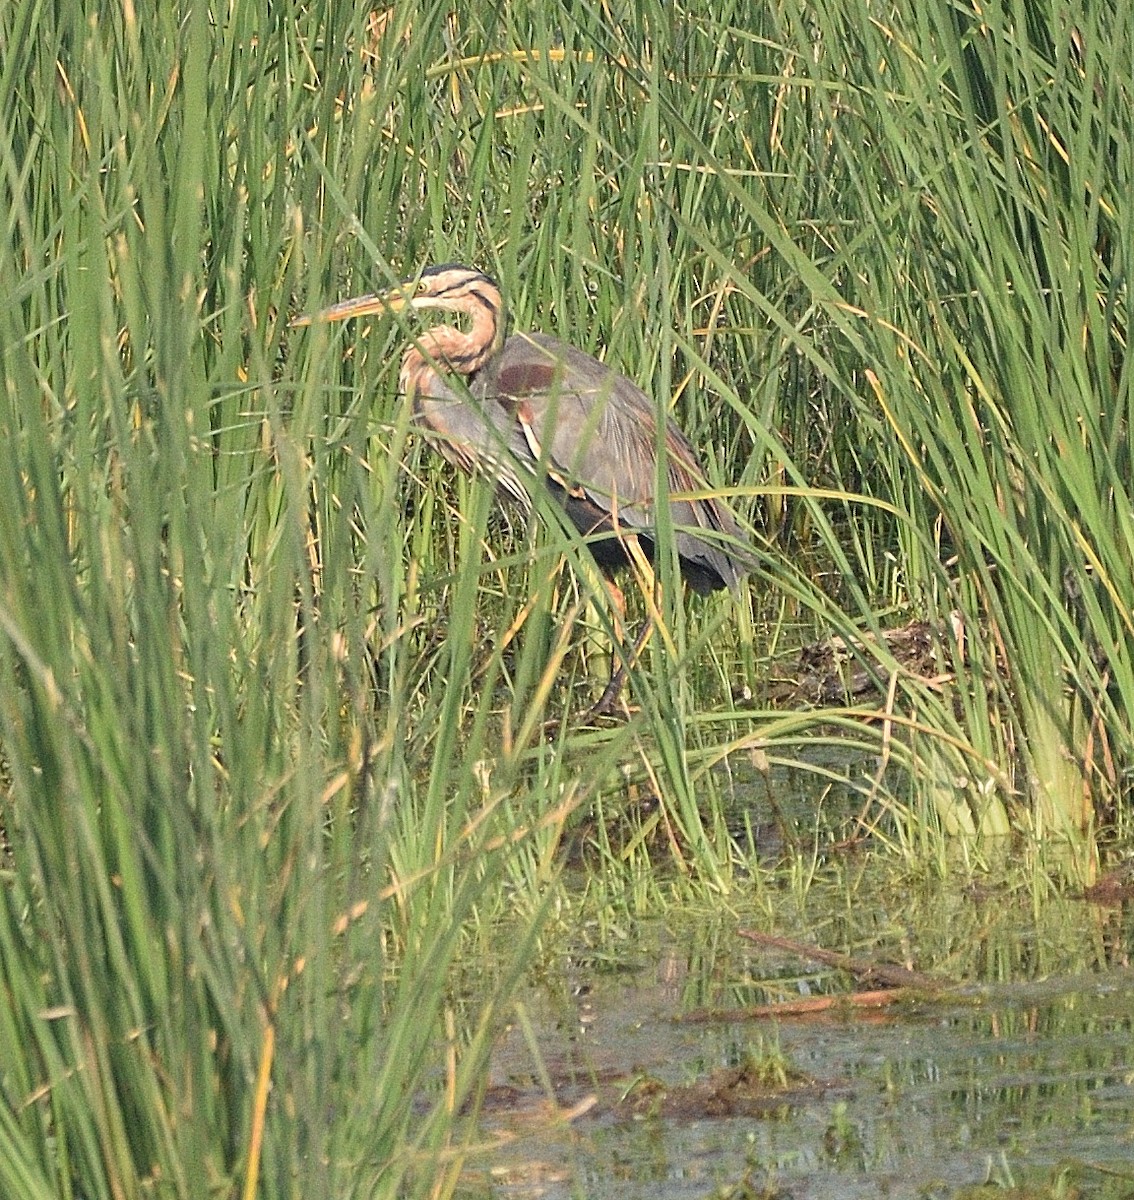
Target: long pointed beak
[357, 306]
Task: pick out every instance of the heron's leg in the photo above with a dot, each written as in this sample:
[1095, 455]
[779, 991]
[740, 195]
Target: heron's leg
[617, 608]
[620, 666]
[603, 705]
[650, 587]
[606, 605]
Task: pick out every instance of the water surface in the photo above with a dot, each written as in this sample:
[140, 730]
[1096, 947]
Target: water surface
[1022, 1079]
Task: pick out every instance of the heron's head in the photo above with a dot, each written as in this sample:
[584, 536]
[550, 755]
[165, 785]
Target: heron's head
[451, 287]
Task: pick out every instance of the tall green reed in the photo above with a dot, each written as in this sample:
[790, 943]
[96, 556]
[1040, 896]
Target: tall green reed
[233, 908]
[991, 278]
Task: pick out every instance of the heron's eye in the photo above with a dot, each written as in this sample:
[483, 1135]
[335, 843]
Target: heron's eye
[422, 287]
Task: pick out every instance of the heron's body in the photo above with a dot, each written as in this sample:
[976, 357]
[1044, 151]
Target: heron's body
[543, 408]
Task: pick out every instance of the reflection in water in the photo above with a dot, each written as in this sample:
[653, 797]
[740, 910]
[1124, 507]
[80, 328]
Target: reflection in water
[1011, 1082]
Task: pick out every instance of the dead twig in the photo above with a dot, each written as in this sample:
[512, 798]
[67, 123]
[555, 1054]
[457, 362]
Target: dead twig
[888, 974]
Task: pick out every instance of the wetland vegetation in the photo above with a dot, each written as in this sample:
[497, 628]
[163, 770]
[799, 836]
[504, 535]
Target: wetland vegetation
[294, 809]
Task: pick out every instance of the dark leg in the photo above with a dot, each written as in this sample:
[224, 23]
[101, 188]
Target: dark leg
[603, 705]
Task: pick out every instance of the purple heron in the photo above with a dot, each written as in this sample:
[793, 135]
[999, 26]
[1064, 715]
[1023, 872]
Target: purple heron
[538, 408]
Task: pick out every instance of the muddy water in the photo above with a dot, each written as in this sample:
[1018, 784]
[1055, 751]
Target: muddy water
[629, 1079]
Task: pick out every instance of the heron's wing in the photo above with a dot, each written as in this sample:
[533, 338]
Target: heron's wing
[588, 426]
[595, 434]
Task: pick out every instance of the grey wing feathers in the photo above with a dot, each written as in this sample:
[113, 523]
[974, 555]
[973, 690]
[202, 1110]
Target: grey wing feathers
[595, 430]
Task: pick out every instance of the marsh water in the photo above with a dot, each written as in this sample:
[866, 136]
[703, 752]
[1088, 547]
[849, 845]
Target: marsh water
[1026, 1084]
[657, 1071]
